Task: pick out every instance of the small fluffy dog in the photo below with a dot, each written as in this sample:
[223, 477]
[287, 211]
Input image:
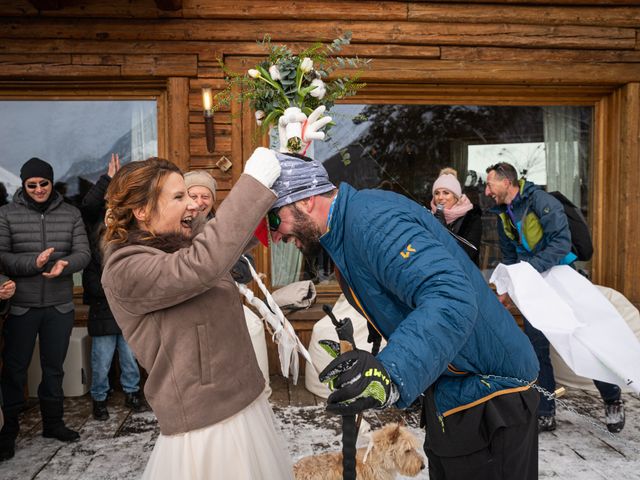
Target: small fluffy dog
[394, 451]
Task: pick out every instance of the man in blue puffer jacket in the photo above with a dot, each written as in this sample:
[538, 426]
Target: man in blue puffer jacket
[447, 334]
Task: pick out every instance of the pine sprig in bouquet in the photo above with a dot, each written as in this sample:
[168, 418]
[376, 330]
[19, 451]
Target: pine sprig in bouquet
[285, 80]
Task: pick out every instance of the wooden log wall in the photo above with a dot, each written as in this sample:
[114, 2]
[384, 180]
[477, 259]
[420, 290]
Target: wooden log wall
[579, 52]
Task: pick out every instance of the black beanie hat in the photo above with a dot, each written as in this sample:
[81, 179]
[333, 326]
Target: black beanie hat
[34, 167]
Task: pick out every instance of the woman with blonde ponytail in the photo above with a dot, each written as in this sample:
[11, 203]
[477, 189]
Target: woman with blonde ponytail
[456, 212]
[168, 285]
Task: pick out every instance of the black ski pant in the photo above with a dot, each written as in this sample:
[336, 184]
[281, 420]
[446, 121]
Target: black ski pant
[20, 331]
[496, 440]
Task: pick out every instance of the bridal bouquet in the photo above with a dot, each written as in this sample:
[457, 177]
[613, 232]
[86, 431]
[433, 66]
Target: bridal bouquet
[293, 91]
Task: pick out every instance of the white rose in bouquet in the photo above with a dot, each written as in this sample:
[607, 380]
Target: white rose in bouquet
[320, 89]
[274, 72]
[306, 65]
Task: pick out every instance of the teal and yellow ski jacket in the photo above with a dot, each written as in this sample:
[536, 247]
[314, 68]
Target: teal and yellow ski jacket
[539, 231]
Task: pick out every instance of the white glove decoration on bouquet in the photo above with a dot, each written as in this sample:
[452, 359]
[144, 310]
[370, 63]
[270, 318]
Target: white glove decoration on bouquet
[263, 166]
[290, 126]
[294, 123]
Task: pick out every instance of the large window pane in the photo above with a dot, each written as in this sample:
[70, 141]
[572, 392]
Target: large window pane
[404, 147]
[76, 137]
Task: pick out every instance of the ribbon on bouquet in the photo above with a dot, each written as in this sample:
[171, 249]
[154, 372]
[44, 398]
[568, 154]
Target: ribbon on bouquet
[289, 345]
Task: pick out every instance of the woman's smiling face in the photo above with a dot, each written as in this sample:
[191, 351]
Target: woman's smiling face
[442, 196]
[175, 209]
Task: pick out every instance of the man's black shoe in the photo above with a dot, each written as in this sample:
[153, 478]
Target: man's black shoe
[614, 416]
[7, 449]
[135, 402]
[546, 423]
[100, 411]
[61, 433]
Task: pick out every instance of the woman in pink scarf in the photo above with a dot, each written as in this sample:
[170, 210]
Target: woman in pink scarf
[457, 213]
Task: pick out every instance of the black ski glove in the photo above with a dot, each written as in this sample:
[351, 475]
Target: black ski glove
[359, 382]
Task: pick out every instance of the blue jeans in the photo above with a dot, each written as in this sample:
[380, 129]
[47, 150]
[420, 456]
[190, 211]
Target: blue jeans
[546, 380]
[102, 350]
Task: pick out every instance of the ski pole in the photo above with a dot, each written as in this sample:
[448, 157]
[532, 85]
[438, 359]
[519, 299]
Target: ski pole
[344, 329]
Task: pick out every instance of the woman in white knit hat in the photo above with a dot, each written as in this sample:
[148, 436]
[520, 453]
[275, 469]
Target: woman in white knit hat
[201, 187]
[457, 213]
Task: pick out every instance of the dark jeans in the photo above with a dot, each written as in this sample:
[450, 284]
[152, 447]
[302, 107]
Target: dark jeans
[546, 380]
[20, 333]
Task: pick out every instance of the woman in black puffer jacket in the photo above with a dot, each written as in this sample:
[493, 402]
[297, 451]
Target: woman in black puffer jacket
[456, 212]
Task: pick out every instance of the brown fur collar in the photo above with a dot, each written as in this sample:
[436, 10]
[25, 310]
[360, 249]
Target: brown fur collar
[167, 242]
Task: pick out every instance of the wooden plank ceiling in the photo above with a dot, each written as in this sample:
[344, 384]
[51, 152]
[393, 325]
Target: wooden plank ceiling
[167, 5]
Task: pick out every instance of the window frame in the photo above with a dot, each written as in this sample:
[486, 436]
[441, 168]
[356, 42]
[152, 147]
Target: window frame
[97, 90]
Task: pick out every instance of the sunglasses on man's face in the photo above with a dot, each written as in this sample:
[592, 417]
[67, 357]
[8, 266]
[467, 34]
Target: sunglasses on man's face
[274, 219]
[42, 184]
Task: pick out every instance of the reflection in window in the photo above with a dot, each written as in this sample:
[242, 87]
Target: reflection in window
[403, 148]
[76, 137]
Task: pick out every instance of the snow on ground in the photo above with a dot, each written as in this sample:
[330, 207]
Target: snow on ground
[577, 450]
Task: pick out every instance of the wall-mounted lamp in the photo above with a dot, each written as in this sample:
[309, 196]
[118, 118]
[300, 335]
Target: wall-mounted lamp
[207, 104]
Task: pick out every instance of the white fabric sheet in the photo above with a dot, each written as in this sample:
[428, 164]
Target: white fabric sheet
[581, 324]
[626, 309]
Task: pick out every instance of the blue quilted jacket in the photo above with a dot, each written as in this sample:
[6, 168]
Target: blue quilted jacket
[442, 322]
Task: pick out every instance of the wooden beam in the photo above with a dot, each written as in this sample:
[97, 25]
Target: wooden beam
[484, 73]
[121, 65]
[566, 56]
[469, 94]
[44, 70]
[210, 52]
[546, 2]
[537, 15]
[405, 33]
[293, 9]
[47, 4]
[169, 5]
[629, 195]
[445, 71]
[178, 121]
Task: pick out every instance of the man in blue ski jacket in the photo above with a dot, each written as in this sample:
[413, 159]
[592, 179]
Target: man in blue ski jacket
[447, 334]
[533, 227]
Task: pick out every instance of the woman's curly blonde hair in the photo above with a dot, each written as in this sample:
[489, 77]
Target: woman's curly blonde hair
[135, 185]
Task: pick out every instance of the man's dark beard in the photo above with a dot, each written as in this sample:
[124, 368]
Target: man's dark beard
[307, 232]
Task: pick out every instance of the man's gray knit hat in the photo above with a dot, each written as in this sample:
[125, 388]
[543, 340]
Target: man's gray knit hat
[301, 177]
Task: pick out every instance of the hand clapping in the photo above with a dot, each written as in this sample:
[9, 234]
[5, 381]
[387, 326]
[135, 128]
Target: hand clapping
[7, 289]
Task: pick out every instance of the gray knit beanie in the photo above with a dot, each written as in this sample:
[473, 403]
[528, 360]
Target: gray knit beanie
[301, 177]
